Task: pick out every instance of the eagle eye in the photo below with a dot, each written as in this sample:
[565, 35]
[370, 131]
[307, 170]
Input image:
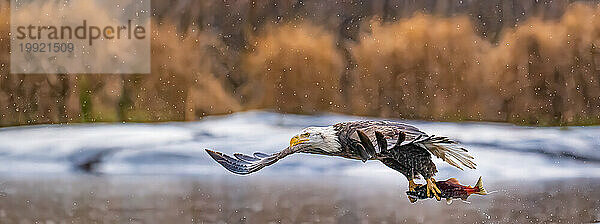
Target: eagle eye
[305, 135]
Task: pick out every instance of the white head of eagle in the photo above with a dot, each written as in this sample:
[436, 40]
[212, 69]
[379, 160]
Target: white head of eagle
[316, 138]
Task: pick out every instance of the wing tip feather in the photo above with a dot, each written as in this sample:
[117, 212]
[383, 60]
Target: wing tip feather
[244, 164]
[229, 163]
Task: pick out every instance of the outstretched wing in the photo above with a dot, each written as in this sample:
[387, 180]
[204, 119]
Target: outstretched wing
[389, 129]
[442, 147]
[245, 164]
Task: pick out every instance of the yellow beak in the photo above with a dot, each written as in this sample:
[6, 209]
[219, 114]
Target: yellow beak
[297, 140]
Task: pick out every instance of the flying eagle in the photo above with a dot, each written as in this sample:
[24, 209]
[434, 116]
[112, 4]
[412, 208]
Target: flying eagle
[399, 146]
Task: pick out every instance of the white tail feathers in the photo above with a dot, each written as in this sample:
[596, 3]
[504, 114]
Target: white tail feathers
[450, 152]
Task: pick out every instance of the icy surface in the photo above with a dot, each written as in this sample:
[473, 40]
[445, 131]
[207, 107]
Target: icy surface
[501, 151]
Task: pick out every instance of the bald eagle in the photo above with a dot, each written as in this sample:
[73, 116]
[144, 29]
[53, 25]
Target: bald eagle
[399, 146]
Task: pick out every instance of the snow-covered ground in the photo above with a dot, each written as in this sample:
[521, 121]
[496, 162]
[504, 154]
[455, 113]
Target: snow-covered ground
[501, 151]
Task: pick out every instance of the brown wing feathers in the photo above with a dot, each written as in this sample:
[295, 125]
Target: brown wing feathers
[381, 142]
[442, 147]
[367, 150]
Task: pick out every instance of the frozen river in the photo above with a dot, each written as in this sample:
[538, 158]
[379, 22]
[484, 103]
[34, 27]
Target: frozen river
[501, 151]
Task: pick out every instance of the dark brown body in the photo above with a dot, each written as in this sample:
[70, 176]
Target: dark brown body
[412, 160]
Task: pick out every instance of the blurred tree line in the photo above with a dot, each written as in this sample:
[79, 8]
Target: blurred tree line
[526, 62]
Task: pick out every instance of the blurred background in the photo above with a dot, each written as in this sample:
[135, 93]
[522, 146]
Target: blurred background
[524, 62]
[516, 82]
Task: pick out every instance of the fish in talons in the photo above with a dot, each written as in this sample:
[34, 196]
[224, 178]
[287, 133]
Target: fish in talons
[449, 189]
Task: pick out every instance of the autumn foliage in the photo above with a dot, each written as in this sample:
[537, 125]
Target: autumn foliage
[541, 71]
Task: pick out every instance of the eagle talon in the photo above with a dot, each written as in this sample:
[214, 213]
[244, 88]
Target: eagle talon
[411, 187]
[435, 186]
[412, 200]
[433, 189]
